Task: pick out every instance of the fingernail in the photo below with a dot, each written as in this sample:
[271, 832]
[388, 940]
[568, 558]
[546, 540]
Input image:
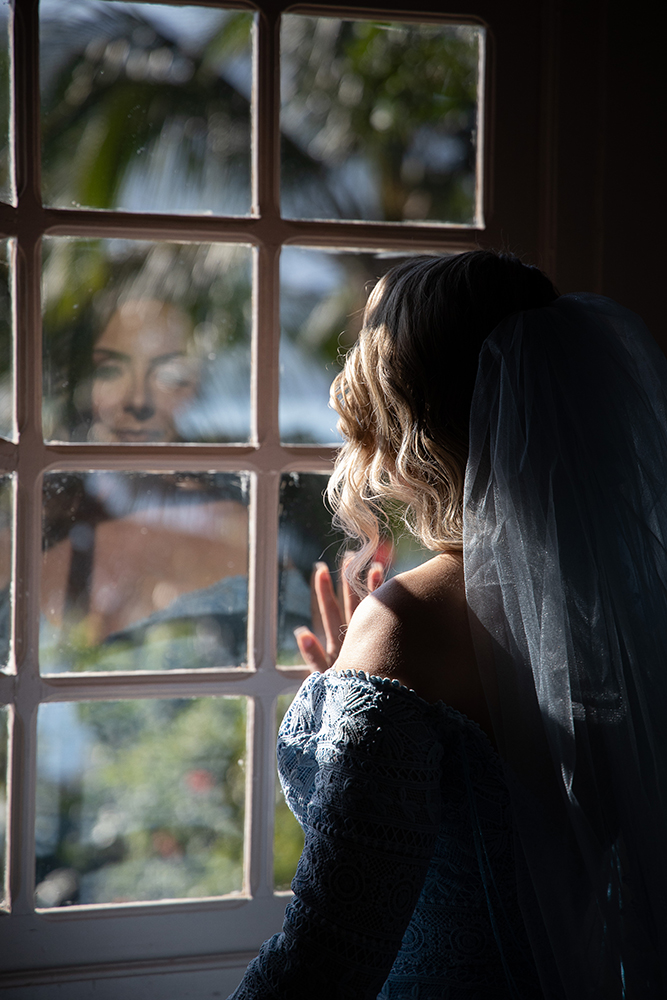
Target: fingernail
[304, 638]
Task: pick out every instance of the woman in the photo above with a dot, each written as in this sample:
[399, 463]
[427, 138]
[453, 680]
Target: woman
[435, 866]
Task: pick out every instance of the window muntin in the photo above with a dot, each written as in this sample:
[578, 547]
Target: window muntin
[258, 912]
[6, 568]
[7, 421]
[380, 120]
[4, 719]
[146, 342]
[6, 192]
[143, 571]
[140, 800]
[146, 107]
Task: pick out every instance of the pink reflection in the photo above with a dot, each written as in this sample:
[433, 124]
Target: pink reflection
[144, 561]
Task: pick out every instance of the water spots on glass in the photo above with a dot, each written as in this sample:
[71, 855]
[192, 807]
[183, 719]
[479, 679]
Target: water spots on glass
[146, 342]
[146, 107]
[143, 571]
[139, 800]
[323, 294]
[379, 120]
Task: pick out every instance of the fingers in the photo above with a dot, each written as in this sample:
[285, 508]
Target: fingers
[375, 577]
[350, 599]
[332, 619]
[311, 649]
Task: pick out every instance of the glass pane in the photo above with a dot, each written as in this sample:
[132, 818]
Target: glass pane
[146, 342]
[140, 800]
[143, 571]
[287, 834]
[379, 120]
[6, 193]
[4, 755]
[7, 421]
[6, 530]
[305, 537]
[145, 107]
[323, 294]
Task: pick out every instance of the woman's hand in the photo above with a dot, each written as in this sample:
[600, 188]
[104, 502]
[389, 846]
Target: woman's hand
[334, 617]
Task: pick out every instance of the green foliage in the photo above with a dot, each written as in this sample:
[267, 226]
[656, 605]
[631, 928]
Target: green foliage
[158, 810]
[126, 93]
[287, 834]
[394, 94]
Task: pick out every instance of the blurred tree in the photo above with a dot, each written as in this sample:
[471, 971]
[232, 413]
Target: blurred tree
[389, 114]
[123, 99]
[158, 810]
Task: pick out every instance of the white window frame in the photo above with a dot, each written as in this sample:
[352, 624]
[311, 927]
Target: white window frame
[146, 939]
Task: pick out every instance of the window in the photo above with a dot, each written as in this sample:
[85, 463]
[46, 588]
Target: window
[168, 210]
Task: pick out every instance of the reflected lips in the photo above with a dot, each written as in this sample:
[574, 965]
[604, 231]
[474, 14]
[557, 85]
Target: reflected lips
[143, 435]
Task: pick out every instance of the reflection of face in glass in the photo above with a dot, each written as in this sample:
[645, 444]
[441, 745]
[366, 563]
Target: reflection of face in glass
[142, 373]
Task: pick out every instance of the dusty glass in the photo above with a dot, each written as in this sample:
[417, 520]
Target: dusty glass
[146, 342]
[4, 754]
[380, 121]
[142, 571]
[146, 107]
[6, 548]
[305, 537]
[6, 192]
[287, 834]
[139, 800]
[323, 294]
[7, 419]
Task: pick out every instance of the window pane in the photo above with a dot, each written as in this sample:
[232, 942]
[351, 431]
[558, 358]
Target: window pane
[140, 800]
[379, 120]
[323, 294]
[305, 537]
[146, 342]
[6, 193]
[143, 571]
[287, 834]
[4, 754]
[145, 107]
[7, 421]
[6, 596]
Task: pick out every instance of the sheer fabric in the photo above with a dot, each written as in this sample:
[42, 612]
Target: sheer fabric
[566, 576]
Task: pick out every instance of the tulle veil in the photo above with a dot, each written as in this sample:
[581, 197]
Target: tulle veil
[565, 549]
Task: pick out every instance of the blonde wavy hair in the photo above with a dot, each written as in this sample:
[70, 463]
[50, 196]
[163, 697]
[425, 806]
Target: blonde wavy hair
[404, 395]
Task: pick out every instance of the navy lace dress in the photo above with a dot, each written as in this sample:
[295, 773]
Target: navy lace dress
[406, 887]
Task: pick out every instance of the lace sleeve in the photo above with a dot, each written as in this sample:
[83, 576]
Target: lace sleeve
[371, 819]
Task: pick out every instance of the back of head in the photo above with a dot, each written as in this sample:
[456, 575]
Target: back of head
[404, 395]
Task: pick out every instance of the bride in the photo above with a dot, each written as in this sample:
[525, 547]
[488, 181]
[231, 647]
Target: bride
[478, 758]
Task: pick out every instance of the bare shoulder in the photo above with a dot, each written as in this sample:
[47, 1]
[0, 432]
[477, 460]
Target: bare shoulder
[415, 629]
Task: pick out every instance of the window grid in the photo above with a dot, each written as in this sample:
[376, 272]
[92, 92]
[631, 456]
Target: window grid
[265, 457]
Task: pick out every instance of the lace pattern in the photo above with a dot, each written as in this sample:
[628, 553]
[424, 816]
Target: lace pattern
[406, 886]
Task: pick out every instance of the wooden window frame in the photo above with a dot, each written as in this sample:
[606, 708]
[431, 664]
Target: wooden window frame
[116, 933]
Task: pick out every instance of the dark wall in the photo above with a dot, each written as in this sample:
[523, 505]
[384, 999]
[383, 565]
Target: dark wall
[609, 151]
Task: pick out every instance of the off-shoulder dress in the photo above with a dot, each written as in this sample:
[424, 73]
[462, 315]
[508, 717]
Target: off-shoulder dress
[406, 888]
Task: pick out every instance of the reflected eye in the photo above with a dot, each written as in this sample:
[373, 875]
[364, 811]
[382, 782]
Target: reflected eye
[107, 371]
[176, 374]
